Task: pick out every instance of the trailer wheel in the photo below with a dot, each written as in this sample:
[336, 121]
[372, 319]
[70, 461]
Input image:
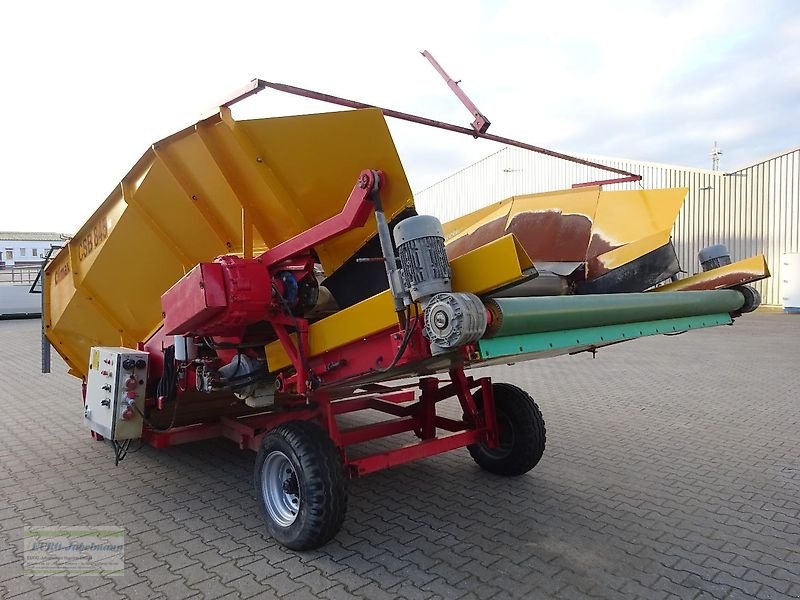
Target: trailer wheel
[521, 429]
[300, 485]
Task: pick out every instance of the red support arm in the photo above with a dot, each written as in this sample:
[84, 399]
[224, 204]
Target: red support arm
[354, 214]
[608, 181]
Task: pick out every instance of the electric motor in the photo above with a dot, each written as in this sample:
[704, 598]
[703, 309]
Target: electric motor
[453, 319]
[713, 257]
[420, 245]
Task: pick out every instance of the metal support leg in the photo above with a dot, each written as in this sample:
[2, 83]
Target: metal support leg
[462, 388]
[427, 407]
[492, 439]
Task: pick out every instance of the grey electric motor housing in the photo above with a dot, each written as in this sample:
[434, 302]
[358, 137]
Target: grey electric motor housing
[453, 319]
[423, 260]
[713, 257]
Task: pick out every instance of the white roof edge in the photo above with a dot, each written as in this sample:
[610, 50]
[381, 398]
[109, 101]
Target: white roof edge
[644, 163]
[765, 159]
[609, 159]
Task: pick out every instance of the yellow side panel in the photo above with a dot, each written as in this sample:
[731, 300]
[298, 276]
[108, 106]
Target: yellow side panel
[579, 201]
[550, 225]
[486, 268]
[628, 252]
[469, 222]
[317, 183]
[182, 203]
[738, 273]
[603, 229]
[491, 266]
[626, 216]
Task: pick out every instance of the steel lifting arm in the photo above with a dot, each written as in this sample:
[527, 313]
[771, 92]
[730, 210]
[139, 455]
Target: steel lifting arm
[354, 214]
[256, 85]
[481, 123]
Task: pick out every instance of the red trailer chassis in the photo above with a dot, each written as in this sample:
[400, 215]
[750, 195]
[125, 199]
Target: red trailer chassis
[420, 417]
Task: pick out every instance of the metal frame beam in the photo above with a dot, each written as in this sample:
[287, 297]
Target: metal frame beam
[256, 85]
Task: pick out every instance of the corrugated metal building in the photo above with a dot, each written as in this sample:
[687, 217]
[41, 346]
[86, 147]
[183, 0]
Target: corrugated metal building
[754, 210]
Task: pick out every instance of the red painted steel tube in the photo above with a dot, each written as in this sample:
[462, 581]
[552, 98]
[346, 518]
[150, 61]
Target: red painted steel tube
[608, 181]
[489, 415]
[374, 431]
[481, 123]
[356, 404]
[450, 424]
[427, 408]
[392, 458]
[182, 435]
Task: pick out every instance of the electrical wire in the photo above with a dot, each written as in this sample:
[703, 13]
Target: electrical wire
[155, 427]
[165, 391]
[225, 345]
[238, 382]
[398, 355]
[139, 447]
[410, 327]
[121, 450]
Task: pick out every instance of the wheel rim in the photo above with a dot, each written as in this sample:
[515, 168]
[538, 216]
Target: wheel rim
[280, 489]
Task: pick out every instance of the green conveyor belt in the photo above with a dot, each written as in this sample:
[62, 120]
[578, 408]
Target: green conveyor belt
[514, 316]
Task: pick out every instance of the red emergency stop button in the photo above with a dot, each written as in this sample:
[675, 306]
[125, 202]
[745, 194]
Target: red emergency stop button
[131, 395]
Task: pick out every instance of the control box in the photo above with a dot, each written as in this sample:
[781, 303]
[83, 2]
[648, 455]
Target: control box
[115, 392]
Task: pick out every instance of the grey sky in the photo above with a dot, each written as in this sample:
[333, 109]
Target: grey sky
[88, 86]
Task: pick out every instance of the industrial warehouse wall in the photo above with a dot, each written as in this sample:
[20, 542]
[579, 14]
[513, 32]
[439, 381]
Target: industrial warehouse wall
[755, 210]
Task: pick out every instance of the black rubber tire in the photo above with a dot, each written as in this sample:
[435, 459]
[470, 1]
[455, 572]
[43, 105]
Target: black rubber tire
[321, 481]
[522, 433]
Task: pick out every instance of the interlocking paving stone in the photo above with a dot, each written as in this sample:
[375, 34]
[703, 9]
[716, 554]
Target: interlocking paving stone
[672, 471]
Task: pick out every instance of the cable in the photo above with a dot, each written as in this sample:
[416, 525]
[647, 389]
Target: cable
[155, 427]
[139, 447]
[400, 351]
[169, 376]
[404, 343]
[238, 382]
[165, 391]
[120, 450]
[225, 345]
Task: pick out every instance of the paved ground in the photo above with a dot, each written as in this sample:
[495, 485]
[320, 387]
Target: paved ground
[672, 470]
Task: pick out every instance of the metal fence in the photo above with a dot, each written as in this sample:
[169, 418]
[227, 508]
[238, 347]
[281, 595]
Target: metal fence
[19, 275]
[755, 210]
